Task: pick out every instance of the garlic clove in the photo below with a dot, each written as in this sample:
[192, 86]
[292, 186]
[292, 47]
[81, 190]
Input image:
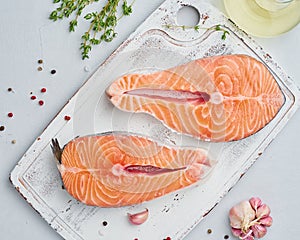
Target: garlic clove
[236, 232]
[263, 211]
[247, 236]
[266, 221]
[241, 215]
[138, 218]
[255, 202]
[259, 231]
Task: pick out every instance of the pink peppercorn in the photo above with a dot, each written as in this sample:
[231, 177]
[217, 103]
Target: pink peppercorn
[67, 118]
[10, 114]
[43, 90]
[41, 102]
[33, 97]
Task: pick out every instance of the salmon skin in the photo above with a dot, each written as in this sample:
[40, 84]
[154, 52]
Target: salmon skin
[220, 98]
[116, 169]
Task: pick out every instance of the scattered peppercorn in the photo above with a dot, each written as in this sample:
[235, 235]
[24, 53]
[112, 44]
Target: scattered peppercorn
[41, 102]
[104, 223]
[43, 90]
[226, 237]
[2, 128]
[40, 61]
[53, 71]
[67, 118]
[39, 68]
[9, 89]
[209, 231]
[10, 114]
[33, 97]
[13, 141]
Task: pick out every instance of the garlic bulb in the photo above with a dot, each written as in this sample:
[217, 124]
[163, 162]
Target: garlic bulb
[250, 219]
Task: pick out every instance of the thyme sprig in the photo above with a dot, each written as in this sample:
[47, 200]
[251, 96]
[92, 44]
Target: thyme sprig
[102, 23]
[197, 28]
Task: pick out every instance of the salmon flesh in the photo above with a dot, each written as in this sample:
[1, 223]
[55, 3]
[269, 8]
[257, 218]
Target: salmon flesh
[117, 169]
[220, 98]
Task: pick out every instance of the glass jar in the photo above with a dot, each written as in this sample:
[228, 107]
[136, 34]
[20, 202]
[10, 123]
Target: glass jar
[264, 18]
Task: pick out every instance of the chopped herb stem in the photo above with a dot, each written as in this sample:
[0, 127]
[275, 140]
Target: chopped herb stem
[197, 28]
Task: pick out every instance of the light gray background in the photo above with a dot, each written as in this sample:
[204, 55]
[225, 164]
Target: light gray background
[27, 35]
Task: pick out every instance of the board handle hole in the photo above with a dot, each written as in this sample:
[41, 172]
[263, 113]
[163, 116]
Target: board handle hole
[188, 16]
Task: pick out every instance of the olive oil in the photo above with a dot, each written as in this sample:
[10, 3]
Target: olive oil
[264, 18]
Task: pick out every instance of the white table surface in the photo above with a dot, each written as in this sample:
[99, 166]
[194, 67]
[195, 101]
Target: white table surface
[27, 35]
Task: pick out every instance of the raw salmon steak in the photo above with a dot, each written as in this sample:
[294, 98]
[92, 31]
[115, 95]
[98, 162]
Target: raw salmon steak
[116, 169]
[220, 98]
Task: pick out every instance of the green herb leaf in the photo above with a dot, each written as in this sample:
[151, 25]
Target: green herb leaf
[53, 16]
[218, 28]
[127, 10]
[85, 36]
[88, 16]
[72, 26]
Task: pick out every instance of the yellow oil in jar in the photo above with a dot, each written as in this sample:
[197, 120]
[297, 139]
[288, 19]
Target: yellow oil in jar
[264, 18]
